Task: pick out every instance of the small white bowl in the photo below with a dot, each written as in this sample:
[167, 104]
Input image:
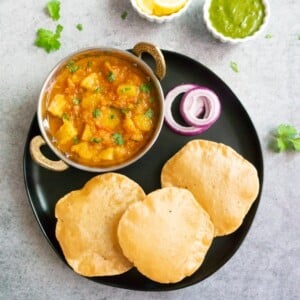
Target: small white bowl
[159, 19]
[230, 40]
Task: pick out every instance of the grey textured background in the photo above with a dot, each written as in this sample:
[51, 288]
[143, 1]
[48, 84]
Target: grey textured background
[267, 266]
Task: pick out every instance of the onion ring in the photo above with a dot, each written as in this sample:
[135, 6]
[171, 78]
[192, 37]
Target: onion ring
[170, 97]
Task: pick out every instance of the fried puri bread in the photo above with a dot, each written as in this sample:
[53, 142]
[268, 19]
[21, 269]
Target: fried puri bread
[223, 182]
[167, 235]
[87, 222]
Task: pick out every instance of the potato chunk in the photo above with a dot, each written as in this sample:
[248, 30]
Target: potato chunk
[57, 105]
[142, 122]
[87, 133]
[83, 150]
[110, 118]
[90, 82]
[66, 133]
[128, 90]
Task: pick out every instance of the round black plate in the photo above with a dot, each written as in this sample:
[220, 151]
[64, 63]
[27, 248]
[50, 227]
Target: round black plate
[234, 128]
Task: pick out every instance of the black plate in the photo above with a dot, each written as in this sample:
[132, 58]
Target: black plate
[233, 128]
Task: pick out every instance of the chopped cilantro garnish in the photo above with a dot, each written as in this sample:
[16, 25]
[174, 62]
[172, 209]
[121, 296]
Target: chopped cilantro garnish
[149, 113]
[112, 116]
[151, 99]
[145, 88]
[65, 116]
[79, 27]
[96, 140]
[53, 7]
[124, 15]
[98, 90]
[111, 77]
[118, 138]
[286, 138]
[89, 64]
[125, 89]
[75, 140]
[72, 66]
[234, 66]
[268, 36]
[76, 101]
[96, 113]
[48, 40]
[125, 110]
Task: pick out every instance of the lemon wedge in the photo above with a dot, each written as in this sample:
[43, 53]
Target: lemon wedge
[167, 7]
[146, 6]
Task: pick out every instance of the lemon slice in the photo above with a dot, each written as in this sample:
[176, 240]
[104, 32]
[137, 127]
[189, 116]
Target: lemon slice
[167, 7]
[146, 6]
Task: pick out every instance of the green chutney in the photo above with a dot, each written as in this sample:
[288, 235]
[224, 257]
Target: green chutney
[237, 18]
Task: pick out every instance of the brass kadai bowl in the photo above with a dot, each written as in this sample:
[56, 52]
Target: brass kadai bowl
[134, 58]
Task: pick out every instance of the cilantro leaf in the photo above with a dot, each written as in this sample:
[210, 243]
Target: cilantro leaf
[53, 7]
[72, 67]
[96, 113]
[234, 66]
[284, 130]
[296, 143]
[48, 40]
[111, 77]
[149, 113]
[268, 36]
[79, 27]
[124, 15]
[145, 88]
[118, 138]
[286, 137]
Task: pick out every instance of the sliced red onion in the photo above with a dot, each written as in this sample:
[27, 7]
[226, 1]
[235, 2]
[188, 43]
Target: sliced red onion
[170, 97]
[211, 103]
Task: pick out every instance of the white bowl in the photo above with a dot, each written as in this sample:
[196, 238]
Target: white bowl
[230, 40]
[159, 19]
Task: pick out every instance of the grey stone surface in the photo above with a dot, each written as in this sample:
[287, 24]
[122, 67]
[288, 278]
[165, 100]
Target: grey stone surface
[267, 265]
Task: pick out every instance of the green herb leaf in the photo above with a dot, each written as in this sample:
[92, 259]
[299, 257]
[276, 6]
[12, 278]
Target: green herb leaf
[79, 27]
[96, 140]
[145, 88]
[149, 113]
[98, 90]
[124, 15]
[47, 39]
[286, 138]
[111, 77]
[118, 138]
[125, 110]
[72, 66]
[96, 113]
[76, 101]
[234, 66]
[65, 117]
[296, 143]
[53, 7]
[75, 140]
[268, 36]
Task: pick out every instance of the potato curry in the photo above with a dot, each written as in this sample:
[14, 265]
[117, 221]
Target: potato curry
[101, 110]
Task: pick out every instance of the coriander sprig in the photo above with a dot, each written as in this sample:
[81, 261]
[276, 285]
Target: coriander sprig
[286, 137]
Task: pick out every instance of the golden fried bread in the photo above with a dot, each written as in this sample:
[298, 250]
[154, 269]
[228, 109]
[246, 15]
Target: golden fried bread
[166, 235]
[87, 222]
[222, 181]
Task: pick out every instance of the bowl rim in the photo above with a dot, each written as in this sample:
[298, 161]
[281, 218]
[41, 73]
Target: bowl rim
[160, 19]
[49, 80]
[232, 40]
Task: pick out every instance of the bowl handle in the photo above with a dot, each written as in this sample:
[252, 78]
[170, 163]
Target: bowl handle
[155, 52]
[39, 158]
